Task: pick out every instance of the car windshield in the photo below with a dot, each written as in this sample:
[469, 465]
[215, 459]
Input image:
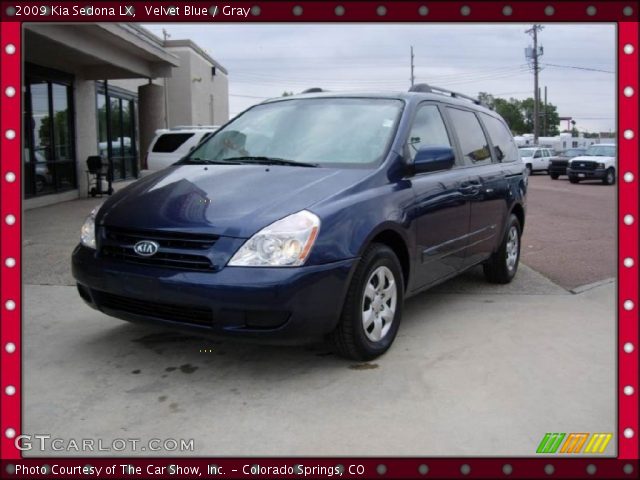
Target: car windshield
[349, 132]
[574, 152]
[601, 151]
[527, 152]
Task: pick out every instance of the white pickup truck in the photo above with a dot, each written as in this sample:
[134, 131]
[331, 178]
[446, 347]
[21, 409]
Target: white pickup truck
[537, 159]
[598, 162]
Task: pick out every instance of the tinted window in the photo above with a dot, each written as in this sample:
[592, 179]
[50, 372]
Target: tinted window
[472, 140]
[601, 151]
[170, 142]
[428, 130]
[503, 144]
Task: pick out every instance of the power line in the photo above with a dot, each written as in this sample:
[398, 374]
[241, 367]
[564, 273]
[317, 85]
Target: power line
[578, 68]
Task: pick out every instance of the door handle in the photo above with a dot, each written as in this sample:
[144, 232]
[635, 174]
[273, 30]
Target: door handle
[469, 189]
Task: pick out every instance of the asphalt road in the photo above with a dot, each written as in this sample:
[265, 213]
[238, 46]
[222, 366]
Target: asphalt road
[571, 231]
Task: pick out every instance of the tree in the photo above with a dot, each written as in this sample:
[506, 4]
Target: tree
[511, 111]
[551, 113]
[486, 99]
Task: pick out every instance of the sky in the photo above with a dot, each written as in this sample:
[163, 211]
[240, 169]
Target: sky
[267, 59]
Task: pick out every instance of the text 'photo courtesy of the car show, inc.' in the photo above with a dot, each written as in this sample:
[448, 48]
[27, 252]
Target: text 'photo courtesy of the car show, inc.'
[319, 239]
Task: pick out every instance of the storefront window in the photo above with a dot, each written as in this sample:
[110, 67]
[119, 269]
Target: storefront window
[49, 157]
[117, 133]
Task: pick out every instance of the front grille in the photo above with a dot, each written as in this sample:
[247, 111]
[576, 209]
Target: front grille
[583, 165]
[194, 241]
[179, 250]
[559, 163]
[177, 313]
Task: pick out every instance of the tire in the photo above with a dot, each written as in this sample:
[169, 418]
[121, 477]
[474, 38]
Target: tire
[573, 179]
[554, 176]
[502, 266]
[351, 339]
[610, 178]
[529, 169]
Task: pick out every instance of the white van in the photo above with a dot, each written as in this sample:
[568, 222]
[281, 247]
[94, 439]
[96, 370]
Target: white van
[170, 145]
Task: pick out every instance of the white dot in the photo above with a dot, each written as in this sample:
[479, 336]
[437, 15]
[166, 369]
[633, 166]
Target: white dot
[628, 177]
[628, 390]
[10, 91]
[628, 262]
[628, 49]
[628, 219]
[10, 262]
[10, 49]
[465, 10]
[10, 347]
[423, 10]
[339, 10]
[10, 134]
[10, 305]
[381, 11]
[10, 433]
[628, 91]
[10, 390]
[10, 177]
[507, 10]
[628, 305]
[549, 10]
[628, 347]
[10, 219]
[628, 433]
[628, 134]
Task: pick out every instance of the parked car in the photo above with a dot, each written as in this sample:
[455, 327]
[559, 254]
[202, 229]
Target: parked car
[170, 145]
[598, 162]
[558, 165]
[312, 216]
[537, 159]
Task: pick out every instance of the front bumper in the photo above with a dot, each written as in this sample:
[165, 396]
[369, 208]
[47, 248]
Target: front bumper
[598, 173]
[558, 167]
[281, 305]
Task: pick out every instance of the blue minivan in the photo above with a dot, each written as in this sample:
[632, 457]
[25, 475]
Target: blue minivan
[312, 216]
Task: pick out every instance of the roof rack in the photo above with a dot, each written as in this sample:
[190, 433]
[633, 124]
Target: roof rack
[425, 88]
[313, 90]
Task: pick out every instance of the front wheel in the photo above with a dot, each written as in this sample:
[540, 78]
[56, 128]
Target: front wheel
[554, 176]
[503, 264]
[573, 179]
[529, 169]
[373, 307]
[610, 177]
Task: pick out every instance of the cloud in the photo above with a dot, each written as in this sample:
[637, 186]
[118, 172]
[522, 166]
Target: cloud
[267, 59]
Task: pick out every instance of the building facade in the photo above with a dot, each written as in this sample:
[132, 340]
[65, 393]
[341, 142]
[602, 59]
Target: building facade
[103, 89]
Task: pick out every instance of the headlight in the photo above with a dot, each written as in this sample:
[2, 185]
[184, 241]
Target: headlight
[88, 230]
[285, 243]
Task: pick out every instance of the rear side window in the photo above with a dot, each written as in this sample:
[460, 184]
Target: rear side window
[170, 142]
[503, 144]
[428, 130]
[473, 143]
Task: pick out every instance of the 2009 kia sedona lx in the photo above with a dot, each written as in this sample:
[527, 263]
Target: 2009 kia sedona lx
[312, 216]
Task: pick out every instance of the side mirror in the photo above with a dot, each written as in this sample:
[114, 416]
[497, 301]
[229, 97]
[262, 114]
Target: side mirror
[432, 159]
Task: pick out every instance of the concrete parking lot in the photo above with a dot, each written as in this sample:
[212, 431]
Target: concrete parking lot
[477, 369]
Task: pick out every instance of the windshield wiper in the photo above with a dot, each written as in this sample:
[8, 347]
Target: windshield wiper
[271, 161]
[200, 161]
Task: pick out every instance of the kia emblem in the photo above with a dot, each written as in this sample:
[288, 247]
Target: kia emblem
[146, 248]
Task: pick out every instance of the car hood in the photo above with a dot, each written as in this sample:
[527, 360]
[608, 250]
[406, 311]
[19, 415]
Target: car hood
[228, 200]
[592, 158]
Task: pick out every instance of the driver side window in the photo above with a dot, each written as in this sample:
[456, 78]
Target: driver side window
[538, 154]
[428, 130]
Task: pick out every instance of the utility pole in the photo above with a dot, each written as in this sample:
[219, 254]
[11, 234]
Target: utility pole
[533, 31]
[412, 77]
[544, 128]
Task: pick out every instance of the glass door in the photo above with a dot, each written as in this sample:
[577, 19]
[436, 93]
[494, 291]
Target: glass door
[49, 156]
